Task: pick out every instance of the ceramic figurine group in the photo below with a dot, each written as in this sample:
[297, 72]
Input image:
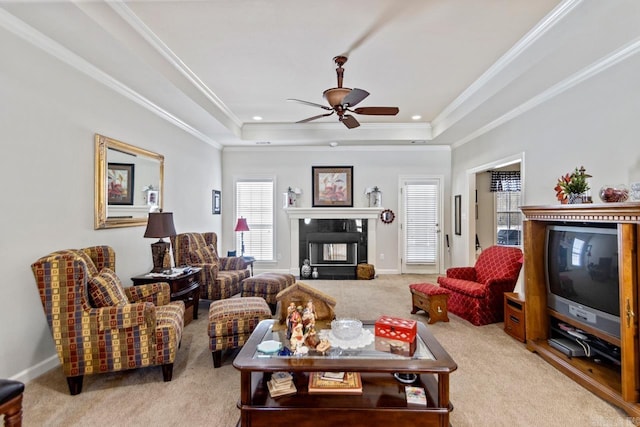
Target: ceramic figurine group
[301, 329]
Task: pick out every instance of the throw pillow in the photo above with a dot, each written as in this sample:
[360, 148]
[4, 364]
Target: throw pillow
[205, 255]
[106, 289]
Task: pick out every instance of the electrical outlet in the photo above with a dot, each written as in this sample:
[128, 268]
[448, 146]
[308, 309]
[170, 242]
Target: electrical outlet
[381, 257]
[279, 256]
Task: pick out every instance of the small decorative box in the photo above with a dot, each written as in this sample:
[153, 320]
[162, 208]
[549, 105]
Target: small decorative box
[396, 328]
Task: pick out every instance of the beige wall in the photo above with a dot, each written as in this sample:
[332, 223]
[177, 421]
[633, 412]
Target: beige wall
[48, 116]
[382, 166]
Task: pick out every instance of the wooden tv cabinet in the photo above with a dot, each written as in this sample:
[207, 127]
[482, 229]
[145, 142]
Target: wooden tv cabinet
[617, 385]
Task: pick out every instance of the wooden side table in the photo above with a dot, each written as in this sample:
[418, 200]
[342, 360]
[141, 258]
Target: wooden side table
[184, 287]
[249, 260]
[514, 309]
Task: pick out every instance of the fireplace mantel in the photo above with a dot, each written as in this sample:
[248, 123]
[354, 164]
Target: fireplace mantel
[295, 214]
[334, 213]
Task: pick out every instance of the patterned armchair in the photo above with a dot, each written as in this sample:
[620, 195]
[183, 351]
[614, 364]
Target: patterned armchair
[477, 293]
[99, 326]
[220, 277]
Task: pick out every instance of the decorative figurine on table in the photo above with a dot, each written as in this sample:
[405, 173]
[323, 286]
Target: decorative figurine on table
[297, 340]
[293, 318]
[309, 317]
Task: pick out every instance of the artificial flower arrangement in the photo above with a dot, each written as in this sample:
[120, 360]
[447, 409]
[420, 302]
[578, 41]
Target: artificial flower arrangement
[572, 184]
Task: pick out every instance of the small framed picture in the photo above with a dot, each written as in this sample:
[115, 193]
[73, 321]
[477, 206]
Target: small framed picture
[215, 202]
[152, 197]
[458, 215]
[120, 183]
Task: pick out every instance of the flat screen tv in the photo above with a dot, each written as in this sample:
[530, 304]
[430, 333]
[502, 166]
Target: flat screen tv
[582, 275]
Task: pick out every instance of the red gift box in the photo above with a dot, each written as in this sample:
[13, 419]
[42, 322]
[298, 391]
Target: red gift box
[396, 328]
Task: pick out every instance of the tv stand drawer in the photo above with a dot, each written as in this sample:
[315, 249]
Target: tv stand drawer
[514, 316]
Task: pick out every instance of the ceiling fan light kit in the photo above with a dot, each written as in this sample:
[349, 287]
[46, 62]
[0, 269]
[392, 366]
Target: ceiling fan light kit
[340, 100]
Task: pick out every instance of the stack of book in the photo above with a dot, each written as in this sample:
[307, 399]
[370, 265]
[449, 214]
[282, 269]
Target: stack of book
[335, 382]
[281, 384]
[416, 396]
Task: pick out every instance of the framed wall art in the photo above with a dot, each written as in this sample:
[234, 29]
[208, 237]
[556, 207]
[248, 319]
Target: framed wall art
[458, 214]
[120, 183]
[215, 202]
[332, 186]
[152, 197]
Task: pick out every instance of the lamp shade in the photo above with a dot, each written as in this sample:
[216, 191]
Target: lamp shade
[160, 224]
[242, 225]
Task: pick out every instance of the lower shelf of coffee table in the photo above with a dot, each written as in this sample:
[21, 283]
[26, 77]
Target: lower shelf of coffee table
[383, 402]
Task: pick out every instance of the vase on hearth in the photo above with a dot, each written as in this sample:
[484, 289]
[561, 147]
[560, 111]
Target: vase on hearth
[315, 273]
[305, 270]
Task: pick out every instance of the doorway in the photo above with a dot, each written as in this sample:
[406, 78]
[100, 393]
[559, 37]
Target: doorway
[420, 236]
[482, 223]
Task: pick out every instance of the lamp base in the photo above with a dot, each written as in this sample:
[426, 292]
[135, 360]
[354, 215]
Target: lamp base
[158, 251]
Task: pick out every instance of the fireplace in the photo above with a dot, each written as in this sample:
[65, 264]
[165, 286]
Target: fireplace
[334, 240]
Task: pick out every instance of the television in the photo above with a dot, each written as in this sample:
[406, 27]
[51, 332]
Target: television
[582, 275]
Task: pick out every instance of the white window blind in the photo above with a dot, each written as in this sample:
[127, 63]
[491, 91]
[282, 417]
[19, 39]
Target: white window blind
[254, 201]
[421, 223]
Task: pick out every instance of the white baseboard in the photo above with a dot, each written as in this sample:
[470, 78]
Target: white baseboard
[38, 369]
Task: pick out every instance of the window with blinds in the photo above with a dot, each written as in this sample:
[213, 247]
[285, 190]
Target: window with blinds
[421, 223]
[254, 201]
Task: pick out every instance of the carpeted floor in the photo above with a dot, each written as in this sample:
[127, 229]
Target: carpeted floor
[497, 383]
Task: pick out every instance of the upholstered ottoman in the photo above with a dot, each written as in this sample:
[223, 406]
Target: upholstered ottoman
[430, 298]
[231, 322]
[267, 286]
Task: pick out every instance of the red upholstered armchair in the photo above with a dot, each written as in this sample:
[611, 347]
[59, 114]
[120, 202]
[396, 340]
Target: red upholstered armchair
[477, 293]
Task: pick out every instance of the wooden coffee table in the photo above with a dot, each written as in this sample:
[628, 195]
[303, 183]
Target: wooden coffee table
[382, 402]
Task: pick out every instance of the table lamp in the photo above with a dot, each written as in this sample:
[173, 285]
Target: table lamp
[242, 226]
[160, 224]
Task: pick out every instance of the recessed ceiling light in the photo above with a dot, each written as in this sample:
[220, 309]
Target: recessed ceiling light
[257, 118]
[333, 144]
[416, 117]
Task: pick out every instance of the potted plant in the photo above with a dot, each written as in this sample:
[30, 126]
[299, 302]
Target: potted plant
[571, 188]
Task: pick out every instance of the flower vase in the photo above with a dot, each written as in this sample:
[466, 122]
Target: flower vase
[575, 198]
[305, 270]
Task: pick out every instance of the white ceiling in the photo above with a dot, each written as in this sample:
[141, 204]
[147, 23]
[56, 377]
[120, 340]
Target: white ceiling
[211, 66]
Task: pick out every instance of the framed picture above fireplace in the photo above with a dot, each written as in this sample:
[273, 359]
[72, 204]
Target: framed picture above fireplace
[332, 186]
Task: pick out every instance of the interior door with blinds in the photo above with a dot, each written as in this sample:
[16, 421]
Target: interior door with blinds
[420, 228]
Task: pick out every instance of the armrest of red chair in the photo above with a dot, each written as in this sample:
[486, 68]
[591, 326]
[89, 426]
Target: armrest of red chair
[158, 293]
[500, 285]
[464, 273]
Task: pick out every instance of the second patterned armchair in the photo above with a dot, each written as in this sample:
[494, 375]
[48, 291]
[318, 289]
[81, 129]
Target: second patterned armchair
[98, 325]
[220, 277]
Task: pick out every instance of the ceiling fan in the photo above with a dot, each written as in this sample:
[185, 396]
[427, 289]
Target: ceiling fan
[342, 99]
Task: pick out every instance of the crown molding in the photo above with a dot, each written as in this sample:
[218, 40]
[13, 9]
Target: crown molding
[455, 111]
[55, 49]
[152, 38]
[586, 73]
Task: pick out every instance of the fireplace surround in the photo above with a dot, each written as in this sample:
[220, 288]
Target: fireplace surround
[339, 238]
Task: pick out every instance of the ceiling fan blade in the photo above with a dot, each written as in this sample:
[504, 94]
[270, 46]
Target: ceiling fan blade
[315, 117]
[354, 97]
[312, 104]
[377, 111]
[349, 121]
